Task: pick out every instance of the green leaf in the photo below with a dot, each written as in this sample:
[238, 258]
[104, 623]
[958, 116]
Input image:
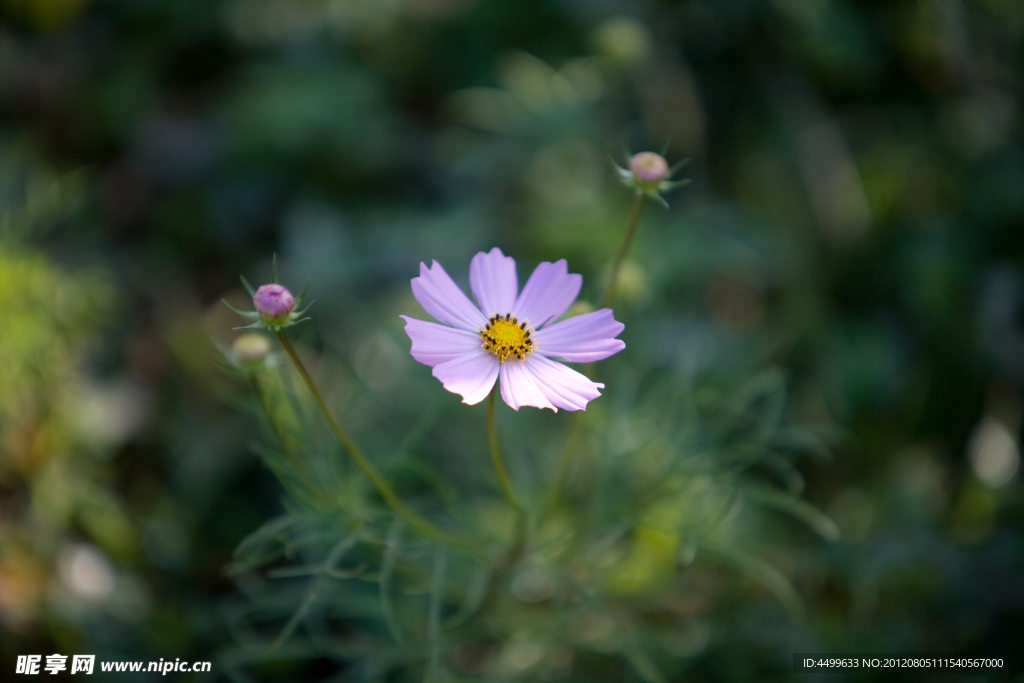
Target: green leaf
[315, 586]
[796, 507]
[761, 572]
[434, 615]
[279, 526]
[759, 405]
[801, 440]
[473, 597]
[386, 572]
[641, 661]
[785, 471]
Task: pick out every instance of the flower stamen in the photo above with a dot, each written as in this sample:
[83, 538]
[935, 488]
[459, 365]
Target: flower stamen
[506, 337]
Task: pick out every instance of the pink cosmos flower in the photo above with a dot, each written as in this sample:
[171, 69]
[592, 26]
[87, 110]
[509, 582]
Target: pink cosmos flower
[511, 334]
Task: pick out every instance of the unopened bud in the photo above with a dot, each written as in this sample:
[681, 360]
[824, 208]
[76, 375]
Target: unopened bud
[273, 303]
[648, 174]
[649, 168]
[251, 348]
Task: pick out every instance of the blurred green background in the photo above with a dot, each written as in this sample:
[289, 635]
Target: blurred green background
[854, 218]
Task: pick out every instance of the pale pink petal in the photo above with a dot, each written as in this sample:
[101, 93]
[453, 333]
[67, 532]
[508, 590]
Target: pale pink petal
[519, 388]
[442, 298]
[492, 277]
[550, 290]
[470, 375]
[433, 344]
[582, 338]
[561, 386]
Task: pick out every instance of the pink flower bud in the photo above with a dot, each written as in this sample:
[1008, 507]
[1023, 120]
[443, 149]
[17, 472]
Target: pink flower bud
[648, 168]
[273, 303]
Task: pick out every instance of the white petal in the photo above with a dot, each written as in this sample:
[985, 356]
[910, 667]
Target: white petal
[548, 293]
[470, 375]
[492, 277]
[581, 339]
[519, 388]
[442, 298]
[561, 386]
[433, 344]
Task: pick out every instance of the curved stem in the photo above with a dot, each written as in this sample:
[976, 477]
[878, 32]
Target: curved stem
[634, 220]
[499, 463]
[414, 520]
[503, 481]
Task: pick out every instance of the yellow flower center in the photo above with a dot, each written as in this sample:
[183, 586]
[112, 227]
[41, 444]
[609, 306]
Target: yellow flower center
[506, 337]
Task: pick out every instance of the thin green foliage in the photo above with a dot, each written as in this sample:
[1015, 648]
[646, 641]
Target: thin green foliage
[386, 573]
[434, 632]
[315, 586]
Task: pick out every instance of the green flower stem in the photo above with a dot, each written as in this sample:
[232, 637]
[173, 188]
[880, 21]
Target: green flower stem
[414, 520]
[499, 463]
[503, 480]
[634, 220]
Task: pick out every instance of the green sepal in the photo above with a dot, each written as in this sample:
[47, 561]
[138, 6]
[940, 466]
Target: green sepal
[678, 165]
[302, 293]
[250, 315]
[248, 287]
[664, 186]
[303, 311]
[622, 173]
